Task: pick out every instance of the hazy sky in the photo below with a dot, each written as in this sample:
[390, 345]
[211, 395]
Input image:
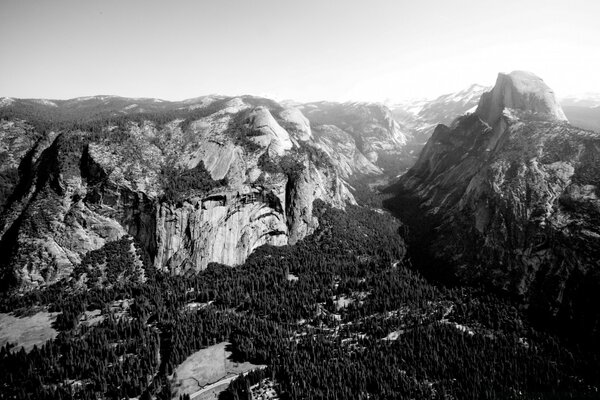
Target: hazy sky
[305, 50]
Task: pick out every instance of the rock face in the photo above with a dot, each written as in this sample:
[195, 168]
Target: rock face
[17, 140]
[375, 133]
[420, 117]
[298, 123]
[269, 132]
[520, 91]
[342, 148]
[513, 190]
[312, 182]
[206, 180]
[445, 108]
[225, 228]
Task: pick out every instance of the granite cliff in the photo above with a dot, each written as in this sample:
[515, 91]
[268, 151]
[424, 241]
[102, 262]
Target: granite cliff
[377, 142]
[510, 194]
[194, 182]
[420, 117]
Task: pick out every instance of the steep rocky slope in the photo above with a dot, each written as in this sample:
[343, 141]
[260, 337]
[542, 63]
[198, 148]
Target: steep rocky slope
[376, 142]
[445, 108]
[511, 194]
[17, 139]
[422, 116]
[200, 181]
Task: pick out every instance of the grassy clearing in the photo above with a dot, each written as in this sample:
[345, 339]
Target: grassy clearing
[205, 367]
[25, 332]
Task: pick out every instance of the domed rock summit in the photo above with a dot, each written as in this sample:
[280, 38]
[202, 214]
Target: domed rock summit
[511, 196]
[200, 181]
[523, 92]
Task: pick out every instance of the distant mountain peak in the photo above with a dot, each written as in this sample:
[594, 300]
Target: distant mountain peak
[6, 101]
[588, 99]
[522, 91]
[474, 88]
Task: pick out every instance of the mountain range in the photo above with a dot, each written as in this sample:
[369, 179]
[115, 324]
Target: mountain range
[119, 181]
[199, 181]
[510, 191]
[445, 248]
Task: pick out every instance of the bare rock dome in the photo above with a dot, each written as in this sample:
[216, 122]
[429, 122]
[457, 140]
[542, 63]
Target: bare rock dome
[521, 91]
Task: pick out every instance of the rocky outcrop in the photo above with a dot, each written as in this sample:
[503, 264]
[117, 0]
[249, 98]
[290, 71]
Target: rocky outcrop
[304, 188]
[513, 190]
[190, 191]
[420, 117]
[224, 227]
[445, 108]
[268, 133]
[375, 132]
[17, 140]
[299, 125]
[342, 148]
[49, 225]
[519, 91]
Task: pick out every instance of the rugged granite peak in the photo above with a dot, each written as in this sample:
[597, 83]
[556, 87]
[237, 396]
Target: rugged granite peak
[421, 117]
[521, 91]
[17, 139]
[268, 132]
[297, 123]
[342, 147]
[377, 135]
[512, 201]
[445, 108]
[208, 180]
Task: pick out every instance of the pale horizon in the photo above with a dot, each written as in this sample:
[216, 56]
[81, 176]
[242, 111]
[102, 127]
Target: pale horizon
[383, 51]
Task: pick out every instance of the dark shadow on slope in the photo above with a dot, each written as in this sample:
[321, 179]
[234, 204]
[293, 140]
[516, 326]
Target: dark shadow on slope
[576, 322]
[421, 233]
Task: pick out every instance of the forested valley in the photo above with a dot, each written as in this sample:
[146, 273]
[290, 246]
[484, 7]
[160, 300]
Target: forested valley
[342, 314]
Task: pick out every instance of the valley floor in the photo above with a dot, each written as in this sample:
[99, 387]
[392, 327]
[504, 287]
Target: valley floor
[316, 314]
[208, 372]
[27, 331]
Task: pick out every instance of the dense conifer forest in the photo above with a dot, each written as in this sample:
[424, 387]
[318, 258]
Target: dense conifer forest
[433, 242]
[397, 336]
